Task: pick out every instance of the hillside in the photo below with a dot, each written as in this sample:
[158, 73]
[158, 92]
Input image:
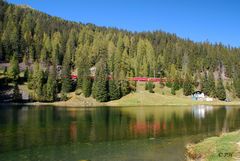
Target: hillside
[45, 43]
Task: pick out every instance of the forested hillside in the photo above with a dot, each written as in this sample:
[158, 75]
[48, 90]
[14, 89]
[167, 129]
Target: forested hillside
[32, 37]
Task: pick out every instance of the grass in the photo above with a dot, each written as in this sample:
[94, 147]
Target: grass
[223, 148]
[141, 97]
[162, 96]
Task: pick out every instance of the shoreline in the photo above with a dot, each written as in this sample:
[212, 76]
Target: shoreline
[113, 104]
[132, 99]
[223, 147]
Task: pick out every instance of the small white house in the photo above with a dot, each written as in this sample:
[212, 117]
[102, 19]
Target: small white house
[198, 96]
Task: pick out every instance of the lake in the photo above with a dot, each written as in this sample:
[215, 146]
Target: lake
[46, 133]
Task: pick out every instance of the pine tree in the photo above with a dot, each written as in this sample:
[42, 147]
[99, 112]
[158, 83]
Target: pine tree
[13, 70]
[39, 92]
[187, 85]
[101, 82]
[212, 85]
[220, 91]
[51, 87]
[17, 96]
[66, 71]
[206, 89]
[87, 86]
[114, 90]
[125, 89]
[33, 76]
[236, 82]
[56, 46]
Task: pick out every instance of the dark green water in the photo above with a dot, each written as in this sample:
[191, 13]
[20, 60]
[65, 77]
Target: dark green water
[108, 134]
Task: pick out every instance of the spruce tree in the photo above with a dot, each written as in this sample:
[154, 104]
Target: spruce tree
[206, 89]
[101, 82]
[13, 70]
[125, 88]
[33, 76]
[87, 86]
[17, 96]
[66, 71]
[39, 93]
[220, 90]
[51, 87]
[236, 82]
[114, 90]
[187, 85]
[212, 85]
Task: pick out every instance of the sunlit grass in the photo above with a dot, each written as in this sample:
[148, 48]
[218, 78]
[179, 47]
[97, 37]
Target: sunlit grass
[225, 147]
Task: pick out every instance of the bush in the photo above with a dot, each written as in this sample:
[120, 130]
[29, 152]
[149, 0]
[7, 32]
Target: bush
[150, 86]
[78, 92]
[64, 96]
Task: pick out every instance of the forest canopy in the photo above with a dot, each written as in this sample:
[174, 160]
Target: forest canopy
[35, 37]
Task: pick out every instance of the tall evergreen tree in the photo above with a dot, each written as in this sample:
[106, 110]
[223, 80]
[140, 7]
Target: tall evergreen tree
[51, 91]
[114, 90]
[212, 85]
[39, 92]
[17, 96]
[66, 70]
[220, 90]
[187, 85]
[101, 81]
[13, 70]
[206, 89]
[87, 86]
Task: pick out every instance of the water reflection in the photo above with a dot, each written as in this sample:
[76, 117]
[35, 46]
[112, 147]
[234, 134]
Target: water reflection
[200, 111]
[28, 127]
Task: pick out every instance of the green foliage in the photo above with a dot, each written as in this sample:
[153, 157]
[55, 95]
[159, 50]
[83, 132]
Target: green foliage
[150, 86]
[51, 86]
[39, 93]
[206, 89]
[187, 86]
[236, 83]
[220, 90]
[37, 37]
[146, 86]
[101, 82]
[114, 90]
[64, 96]
[66, 75]
[125, 88]
[30, 82]
[87, 86]
[17, 96]
[13, 70]
[169, 84]
[173, 91]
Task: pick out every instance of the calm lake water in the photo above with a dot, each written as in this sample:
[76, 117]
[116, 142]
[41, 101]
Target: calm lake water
[109, 134]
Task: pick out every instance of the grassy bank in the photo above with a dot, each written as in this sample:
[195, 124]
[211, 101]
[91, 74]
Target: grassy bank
[223, 148]
[141, 97]
[153, 99]
[134, 99]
